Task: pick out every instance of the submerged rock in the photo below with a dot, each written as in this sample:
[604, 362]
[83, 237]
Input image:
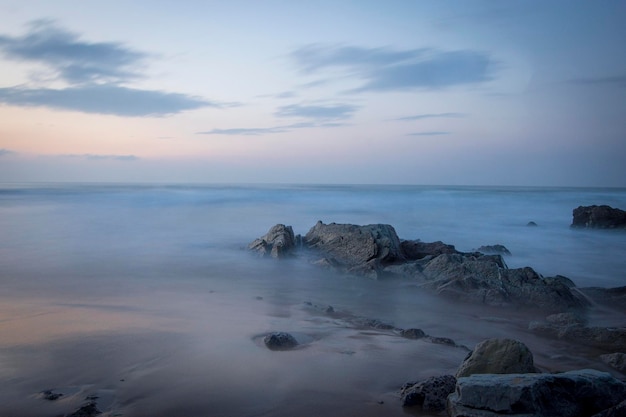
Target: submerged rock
[412, 333]
[598, 217]
[498, 356]
[570, 394]
[278, 242]
[493, 250]
[615, 360]
[88, 410]
[280, 341]
[430, 394]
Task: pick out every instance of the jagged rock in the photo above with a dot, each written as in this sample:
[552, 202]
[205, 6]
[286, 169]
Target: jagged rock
[493, 250]
[581, 393]
[430, 394]
[498, 356]
[486, 279]
[360, 249]
[615, 360]
[280, 341]
[416, 249]
[278, 242]
[606, 338]
[412, 333]
[598, 217]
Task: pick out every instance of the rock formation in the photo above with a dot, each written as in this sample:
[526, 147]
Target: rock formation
[498, 356]
[430, 394]
[599, 217]
[278, 242]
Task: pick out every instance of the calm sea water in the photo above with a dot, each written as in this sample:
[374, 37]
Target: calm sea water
[146, 296]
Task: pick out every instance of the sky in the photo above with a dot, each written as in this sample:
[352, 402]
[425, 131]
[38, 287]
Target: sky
[525, 93]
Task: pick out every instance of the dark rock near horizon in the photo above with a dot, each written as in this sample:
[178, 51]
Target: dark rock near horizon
[278, 242]
[581, 393]
[280, 341]
[430, 394]
[493, 250]
[531, 224]
[498, 356]
[598, 217]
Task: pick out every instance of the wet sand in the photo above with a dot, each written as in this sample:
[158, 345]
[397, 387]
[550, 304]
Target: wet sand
[193, 348]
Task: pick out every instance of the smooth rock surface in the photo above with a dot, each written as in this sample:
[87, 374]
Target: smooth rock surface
[581, 393]
[498, 356]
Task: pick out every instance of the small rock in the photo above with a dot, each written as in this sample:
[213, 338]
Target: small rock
[51, 396]
[616, 360]
[430, 394]
[280, 341]
[531, 224]
[88, 410]
[493, 250]
[412, 333]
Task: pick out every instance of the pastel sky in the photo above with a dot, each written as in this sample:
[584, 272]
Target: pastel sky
[395, 92]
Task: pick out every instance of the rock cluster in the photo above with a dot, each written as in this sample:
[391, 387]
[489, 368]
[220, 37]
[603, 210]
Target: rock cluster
[490, 382]
[376, 251]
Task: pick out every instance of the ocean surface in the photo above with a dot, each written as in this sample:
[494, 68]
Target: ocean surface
[145, 296]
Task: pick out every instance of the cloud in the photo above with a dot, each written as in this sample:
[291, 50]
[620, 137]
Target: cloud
[430, 116]
[106, 99]
[95, 74]
[618, 80]
[435, 133]
[385, 69]
[258, 131]
[97, 157]
[319, 112]
[72, 59]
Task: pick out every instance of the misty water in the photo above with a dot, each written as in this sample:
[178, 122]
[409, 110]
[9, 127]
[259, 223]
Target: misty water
[146, 297]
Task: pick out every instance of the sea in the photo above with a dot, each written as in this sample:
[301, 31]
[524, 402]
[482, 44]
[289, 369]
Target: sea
[144, 300]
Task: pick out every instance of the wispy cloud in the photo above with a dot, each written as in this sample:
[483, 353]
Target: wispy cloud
[106, 99]
[431, 116]
[98, 157]
[435, 133]
[72, 59]
[385, 69]
[258, 131]
[95, 74]
[318, 112]
[617, 80]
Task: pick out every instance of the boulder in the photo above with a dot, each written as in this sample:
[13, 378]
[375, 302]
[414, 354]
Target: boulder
[615, 360]
[280, 341]
[486, 279]
[430, 394]
[598, 217]
[498, 356]
[278, 242]
[579, 393]
[359, 249]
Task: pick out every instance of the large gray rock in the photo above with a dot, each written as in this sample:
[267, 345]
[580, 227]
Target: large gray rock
[278, 242]
[498, 356]
[359, 249]
[486, 279]
[430, 394]
[579, 393]
[598, 217]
